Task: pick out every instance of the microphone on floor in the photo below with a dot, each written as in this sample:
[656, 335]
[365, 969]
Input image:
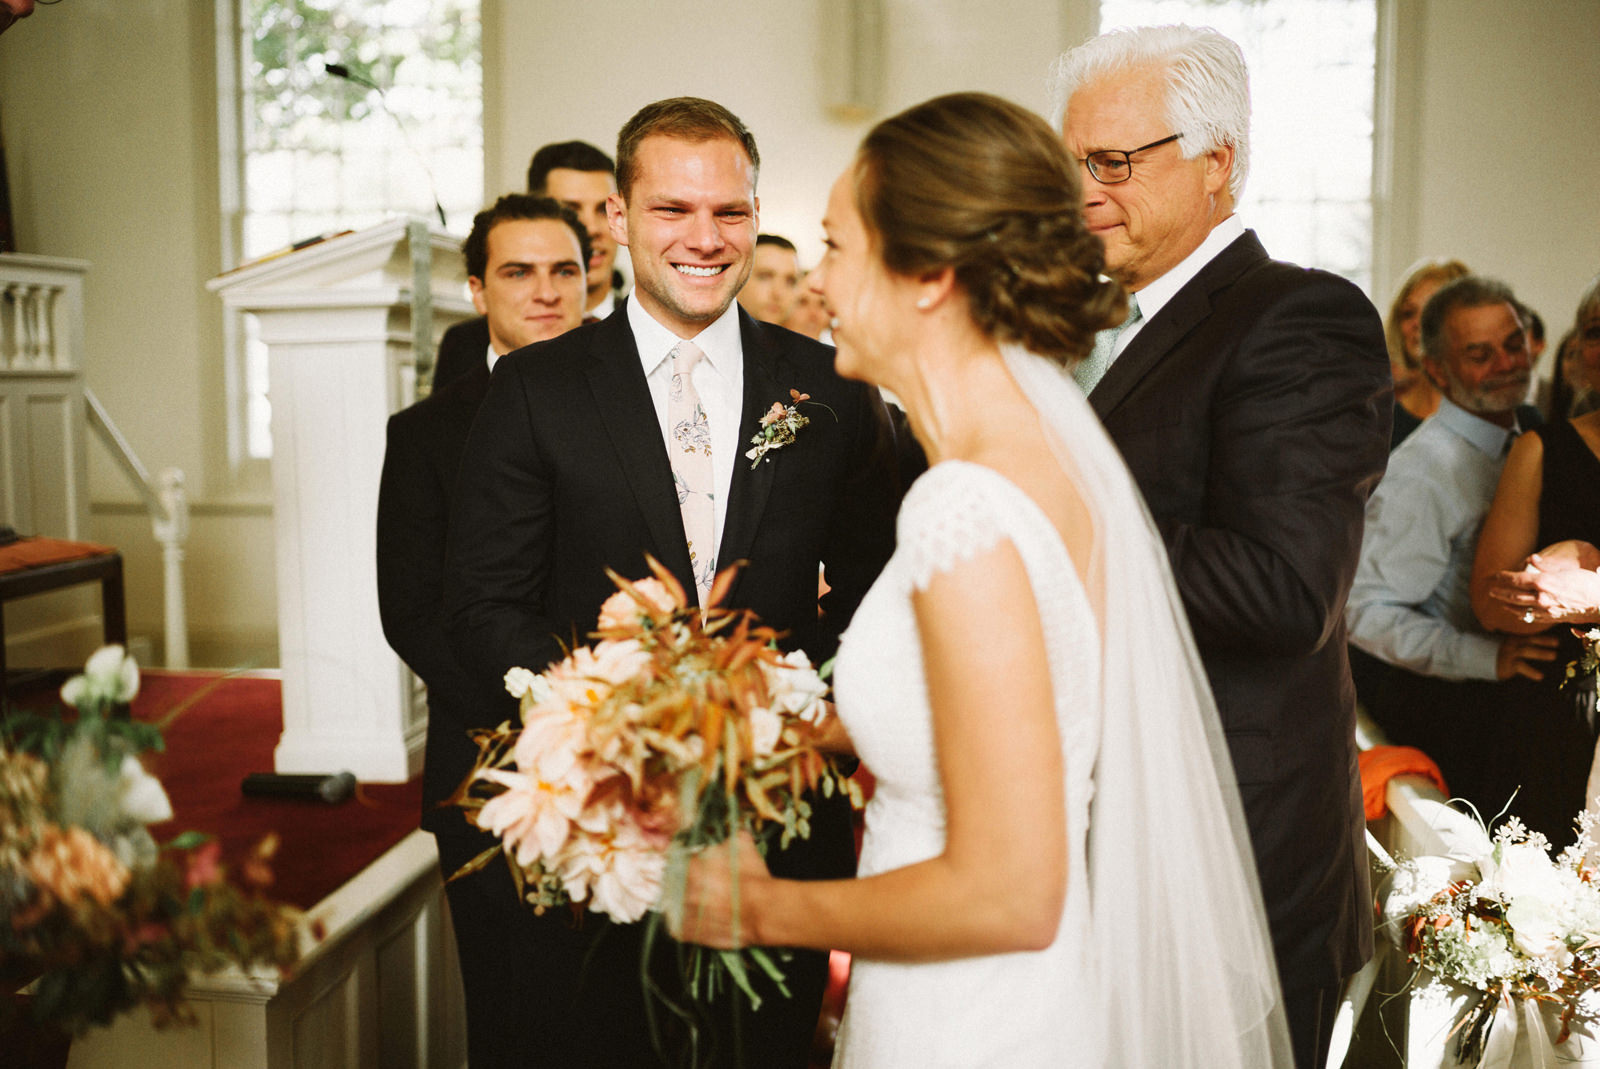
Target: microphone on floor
[332, 787]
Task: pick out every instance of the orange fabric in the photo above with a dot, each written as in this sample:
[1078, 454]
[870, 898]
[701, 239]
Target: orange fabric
[37, 552]
[1381, 764]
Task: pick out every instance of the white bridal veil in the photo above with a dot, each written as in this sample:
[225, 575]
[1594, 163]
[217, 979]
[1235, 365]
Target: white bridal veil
[1185, 965]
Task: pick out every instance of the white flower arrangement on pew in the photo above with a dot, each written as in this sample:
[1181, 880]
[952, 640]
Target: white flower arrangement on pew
[1502, 918]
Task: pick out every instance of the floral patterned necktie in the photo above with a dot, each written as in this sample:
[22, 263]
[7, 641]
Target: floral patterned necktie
[1093, 367]
[689, 446]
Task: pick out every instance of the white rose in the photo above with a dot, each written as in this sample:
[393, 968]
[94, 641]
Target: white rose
[110, 677]
[141, 794]
[765, 729]
[795, 687]
[1538, 898]
[521, 683]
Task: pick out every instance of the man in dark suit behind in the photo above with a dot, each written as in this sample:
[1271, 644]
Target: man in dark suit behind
[572, 467]
[577, 176]
[525, 266]
[1251, 400]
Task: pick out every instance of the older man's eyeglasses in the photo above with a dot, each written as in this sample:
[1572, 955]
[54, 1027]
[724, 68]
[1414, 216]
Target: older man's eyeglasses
[1110, 166]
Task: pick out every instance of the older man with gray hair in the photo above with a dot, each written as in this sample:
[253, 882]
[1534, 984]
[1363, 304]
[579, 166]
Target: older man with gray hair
[1251, 399]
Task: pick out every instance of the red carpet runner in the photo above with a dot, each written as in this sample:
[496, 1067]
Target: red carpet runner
[231, 731]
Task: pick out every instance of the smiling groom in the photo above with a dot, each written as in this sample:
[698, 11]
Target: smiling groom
[628, 437]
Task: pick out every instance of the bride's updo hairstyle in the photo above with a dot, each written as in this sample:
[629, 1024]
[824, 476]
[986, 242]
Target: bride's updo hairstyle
[976, 183]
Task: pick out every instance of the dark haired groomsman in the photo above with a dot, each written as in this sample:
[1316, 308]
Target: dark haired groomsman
[525, 266]
[579, 177]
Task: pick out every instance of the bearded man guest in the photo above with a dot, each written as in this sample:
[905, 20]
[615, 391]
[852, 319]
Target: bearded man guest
[572, 468]
[1251, 400]
[1454, 687]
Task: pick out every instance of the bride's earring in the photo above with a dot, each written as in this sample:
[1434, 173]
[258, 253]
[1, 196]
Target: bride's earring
[923, 302]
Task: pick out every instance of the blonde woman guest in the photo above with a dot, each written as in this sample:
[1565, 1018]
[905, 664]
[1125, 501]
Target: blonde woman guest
[1415, 395]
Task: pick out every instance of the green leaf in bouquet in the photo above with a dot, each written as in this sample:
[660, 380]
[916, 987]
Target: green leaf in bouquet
[760, 956]
[733, 962]
[189, 840]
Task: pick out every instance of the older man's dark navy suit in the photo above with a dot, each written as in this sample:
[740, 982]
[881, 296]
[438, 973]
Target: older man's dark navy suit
[1253, 410]
[565, 475]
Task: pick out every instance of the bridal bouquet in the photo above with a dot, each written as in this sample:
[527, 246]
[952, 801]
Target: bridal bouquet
[671, 733]
[1502, 918]
[91, 906]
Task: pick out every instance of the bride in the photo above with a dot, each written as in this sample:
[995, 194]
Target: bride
[1055, 869]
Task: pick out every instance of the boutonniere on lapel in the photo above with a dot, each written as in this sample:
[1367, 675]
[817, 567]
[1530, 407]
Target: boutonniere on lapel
[780, 424]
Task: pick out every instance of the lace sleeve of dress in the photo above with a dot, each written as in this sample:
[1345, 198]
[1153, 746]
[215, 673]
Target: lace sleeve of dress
[948, 516]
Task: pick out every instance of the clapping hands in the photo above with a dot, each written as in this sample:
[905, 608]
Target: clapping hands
[1559, 584]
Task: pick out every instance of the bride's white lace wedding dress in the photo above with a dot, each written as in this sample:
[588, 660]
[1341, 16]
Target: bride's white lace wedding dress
[1162, 957]
[1007, 1010]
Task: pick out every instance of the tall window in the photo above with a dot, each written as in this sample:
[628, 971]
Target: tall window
[315, 153]
[1312, 79]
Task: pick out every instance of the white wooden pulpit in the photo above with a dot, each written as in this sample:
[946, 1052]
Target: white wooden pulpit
[346, 322]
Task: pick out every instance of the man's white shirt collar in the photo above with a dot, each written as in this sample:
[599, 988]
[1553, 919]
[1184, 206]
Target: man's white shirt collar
[493, 356]
[720, 341]
[607, 305]
[1487, 438]
[1155, 295]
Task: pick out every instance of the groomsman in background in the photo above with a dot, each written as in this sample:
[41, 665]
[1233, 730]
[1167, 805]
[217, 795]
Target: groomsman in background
[774, 284]
[580, 177]
[1251, 400]
[525, 265]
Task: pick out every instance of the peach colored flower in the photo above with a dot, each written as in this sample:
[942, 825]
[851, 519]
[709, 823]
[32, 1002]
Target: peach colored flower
[622, 609]
[546, 793]
[774, 414]
[589, 675]
[618, 870]
[70, 865]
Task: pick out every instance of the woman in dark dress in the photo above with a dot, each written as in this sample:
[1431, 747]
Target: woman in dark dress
[1549, 492]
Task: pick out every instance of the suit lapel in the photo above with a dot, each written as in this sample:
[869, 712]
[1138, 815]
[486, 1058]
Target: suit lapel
[1160, 336]
[622, 397]
[750, 486]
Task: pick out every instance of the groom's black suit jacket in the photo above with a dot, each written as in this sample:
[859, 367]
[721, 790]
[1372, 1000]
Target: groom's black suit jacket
[565, 474]
[1253, 410]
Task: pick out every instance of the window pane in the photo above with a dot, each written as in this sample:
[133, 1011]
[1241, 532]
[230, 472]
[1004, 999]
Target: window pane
[1312, 73]
[323, 153]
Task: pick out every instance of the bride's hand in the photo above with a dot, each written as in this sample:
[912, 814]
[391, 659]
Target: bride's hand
[708, 916]
[828, 734]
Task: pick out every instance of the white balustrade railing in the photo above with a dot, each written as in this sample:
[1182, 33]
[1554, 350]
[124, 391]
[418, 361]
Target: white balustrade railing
[45, 409]
[41, 313]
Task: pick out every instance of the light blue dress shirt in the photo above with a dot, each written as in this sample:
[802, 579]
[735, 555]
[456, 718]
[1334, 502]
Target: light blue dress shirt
[1410, 604]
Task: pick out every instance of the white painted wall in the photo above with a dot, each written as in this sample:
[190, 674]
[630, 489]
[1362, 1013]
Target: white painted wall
[108, 114]
[1505, 89]
[760, 58]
